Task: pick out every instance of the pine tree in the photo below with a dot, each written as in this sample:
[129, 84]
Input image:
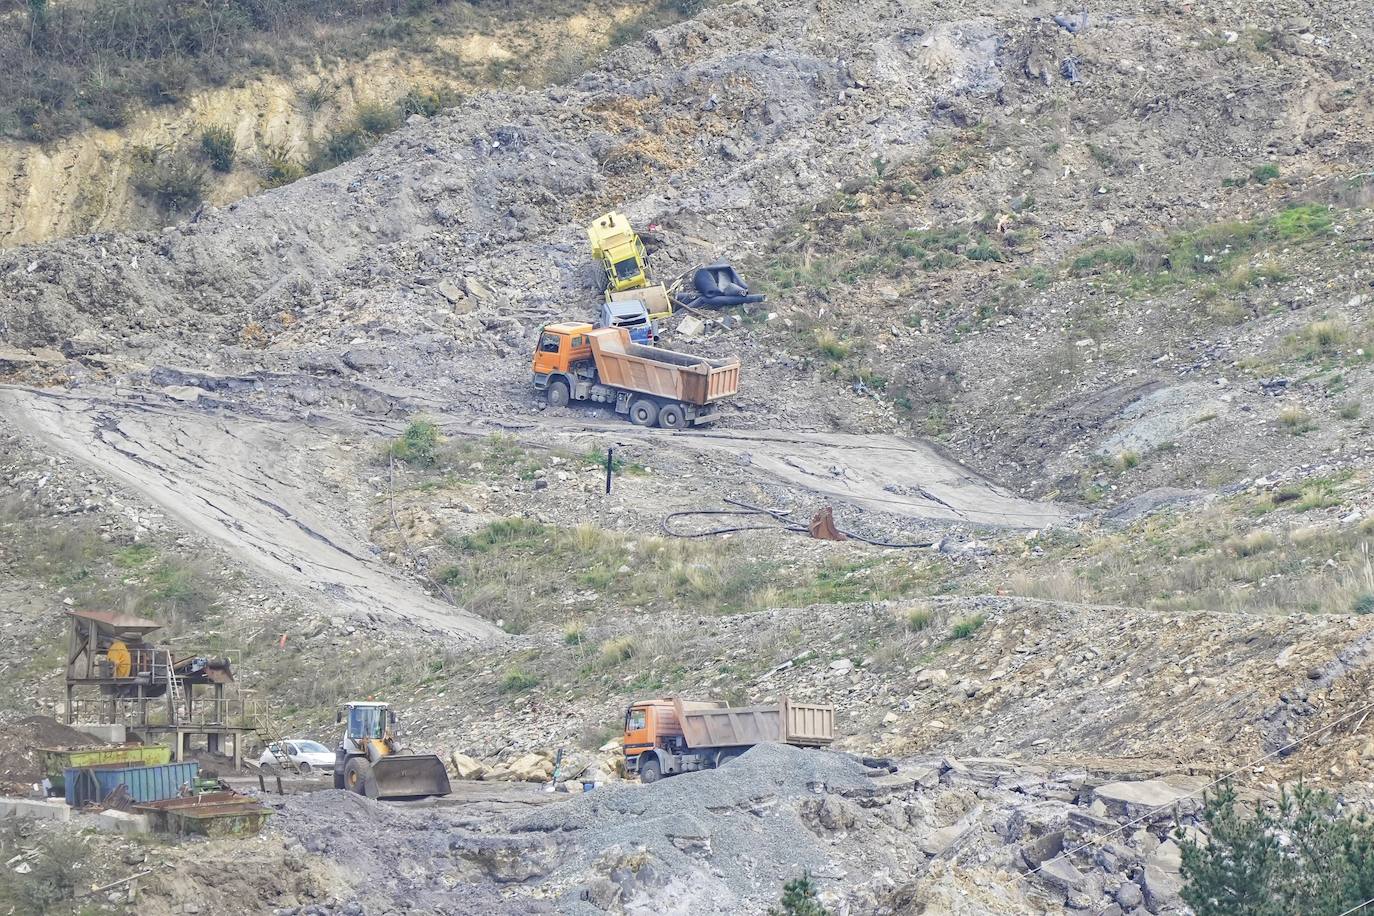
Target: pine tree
[799, 899]
[1302, 856]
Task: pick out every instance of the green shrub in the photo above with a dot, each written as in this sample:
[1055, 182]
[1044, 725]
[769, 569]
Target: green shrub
[1364, 604]
[169, 179]
[517, 679]
[313, 98]
[1297, 856]
[217, 143]
[1127, 460]
[278, 167]
[376, 118]
[831, 346]
[966, 627]
[105, 104]
[339, 147]
[1263, 174]
[574, 634]
[1350, 410]
[419, 444]
[1318, 494]
[427, 102]
[58, 871]
[984, 250]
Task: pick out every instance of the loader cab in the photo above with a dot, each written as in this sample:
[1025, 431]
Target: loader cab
[561, 345]
[367, 721]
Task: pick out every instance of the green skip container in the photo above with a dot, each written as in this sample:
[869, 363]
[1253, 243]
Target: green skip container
[57, 760]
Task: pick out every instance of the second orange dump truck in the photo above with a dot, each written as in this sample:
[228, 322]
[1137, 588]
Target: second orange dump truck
[651, 386]
[671, 735]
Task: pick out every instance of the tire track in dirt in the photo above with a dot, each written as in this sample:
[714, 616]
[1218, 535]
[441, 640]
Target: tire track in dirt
[251, 489]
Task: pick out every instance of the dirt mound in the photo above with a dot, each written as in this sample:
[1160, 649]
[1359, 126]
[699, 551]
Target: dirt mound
[20, 762]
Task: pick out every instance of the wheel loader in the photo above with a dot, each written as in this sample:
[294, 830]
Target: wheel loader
[370, 761]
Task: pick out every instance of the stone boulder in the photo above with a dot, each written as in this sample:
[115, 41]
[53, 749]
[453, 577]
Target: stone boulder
[1153, 799]
[526, 768]
[464, 767]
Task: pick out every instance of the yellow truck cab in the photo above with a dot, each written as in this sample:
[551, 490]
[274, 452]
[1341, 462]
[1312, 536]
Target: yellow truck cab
[651, 386]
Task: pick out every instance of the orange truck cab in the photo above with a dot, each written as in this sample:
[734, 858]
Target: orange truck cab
[671, 735]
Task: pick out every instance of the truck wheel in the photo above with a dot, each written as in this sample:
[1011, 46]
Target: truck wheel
[643, 412]
[557, 394]
[650, 771]
[357, 775]
[672, 416]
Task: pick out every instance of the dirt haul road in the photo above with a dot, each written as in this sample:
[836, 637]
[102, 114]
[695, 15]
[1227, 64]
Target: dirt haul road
[247, 484]
[875, 472]
[261, 485]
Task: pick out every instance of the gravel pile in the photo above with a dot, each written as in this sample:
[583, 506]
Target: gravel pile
[718, 840]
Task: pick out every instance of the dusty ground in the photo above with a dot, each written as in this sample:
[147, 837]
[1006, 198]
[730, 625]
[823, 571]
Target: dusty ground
[1089, 315]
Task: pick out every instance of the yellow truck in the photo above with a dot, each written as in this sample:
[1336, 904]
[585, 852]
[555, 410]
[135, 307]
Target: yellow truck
[653, 387]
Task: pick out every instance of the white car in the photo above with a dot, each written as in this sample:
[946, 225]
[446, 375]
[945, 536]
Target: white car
[309, 756]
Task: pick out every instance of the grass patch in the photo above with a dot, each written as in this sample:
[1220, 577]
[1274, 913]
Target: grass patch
[1126, 460]
[504, 571]
[919, 619]
[614, 651]
[516, 680]
[1256, 542]
[1214, 250]
[376, 118]
[829, 345]
[1296, 420]
[967, 626]
[1217, 558]
[279, 167]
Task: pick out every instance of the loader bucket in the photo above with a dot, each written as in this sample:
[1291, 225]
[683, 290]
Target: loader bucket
[408, 776]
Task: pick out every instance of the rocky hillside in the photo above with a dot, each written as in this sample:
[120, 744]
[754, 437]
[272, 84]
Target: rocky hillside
[1070, 322]
[120, 131]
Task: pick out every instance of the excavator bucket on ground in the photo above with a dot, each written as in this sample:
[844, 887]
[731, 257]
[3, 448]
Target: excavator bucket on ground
[407, 776]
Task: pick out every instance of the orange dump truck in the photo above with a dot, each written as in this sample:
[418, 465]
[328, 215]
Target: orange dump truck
[652, 386]
[670, 735]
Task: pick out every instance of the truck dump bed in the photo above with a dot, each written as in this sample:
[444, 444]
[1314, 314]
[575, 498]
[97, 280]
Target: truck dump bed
[717, 725]
[665, 373]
